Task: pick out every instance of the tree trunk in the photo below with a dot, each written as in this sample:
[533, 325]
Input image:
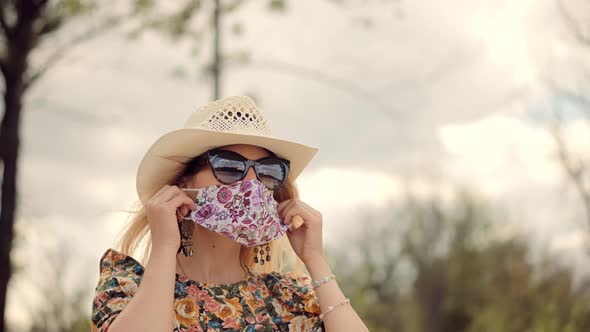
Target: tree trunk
[18, 47]
[10, 146]
[216, 52]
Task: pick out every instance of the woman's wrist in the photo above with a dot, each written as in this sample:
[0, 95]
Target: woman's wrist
[318, 267]
[313, 258]
[165, 250]
[161, 263]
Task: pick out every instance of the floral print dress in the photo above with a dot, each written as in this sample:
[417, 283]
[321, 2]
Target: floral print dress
[261, 302]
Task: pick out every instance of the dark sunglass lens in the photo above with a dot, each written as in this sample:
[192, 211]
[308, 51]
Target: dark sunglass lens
[272, 173]
[228, 167]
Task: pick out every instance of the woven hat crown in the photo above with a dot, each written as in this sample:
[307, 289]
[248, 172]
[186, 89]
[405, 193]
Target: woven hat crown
[236, 114]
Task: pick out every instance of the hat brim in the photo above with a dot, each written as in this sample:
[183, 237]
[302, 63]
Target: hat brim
[168, 155]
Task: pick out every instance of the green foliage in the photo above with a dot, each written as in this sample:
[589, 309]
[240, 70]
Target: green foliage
[277, 5]
[64, 305]
[142, 6]
[237, 29]
[178, 22]
[427, 266]
[173, 23]
[69, 8]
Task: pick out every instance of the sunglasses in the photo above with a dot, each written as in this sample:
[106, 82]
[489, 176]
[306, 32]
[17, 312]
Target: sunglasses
[229, 167]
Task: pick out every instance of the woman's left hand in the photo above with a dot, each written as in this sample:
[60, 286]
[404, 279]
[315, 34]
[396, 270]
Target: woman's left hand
[306, 240]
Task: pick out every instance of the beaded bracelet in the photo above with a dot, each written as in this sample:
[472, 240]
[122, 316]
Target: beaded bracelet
[332, 307]
[316, 283]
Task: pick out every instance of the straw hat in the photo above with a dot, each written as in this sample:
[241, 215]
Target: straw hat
[231, 120]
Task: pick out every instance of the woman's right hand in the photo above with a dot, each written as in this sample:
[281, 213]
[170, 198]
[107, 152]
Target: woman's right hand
[163, 218]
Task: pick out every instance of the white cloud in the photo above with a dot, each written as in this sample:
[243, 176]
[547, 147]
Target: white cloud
[576, 241]
[515, 163]
[506, 30]
[337, 188]
[500, 150]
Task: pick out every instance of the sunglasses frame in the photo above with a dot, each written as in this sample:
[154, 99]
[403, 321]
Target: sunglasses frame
[214, 153]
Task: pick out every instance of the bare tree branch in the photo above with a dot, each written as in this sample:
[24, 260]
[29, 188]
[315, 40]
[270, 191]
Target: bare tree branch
[3, 24]
[50, 25]
[576, 27]
[38, 4]
[329, 80]
[59, 53]
[230, 7]
[575, 169]
[3, 67]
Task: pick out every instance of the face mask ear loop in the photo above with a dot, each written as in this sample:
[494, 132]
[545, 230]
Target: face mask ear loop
[189, 189]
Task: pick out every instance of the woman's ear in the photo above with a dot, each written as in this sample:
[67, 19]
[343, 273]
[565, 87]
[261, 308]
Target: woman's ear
[182, 181]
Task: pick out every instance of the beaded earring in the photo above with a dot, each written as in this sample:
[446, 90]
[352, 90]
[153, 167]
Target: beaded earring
[186, 228]
[259, 251]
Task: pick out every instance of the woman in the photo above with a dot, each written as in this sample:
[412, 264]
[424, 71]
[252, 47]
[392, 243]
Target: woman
[217, 198]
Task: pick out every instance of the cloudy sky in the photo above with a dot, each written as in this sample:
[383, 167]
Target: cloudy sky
[393, 93]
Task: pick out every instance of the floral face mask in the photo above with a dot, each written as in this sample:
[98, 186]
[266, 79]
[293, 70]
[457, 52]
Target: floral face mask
[244, 211]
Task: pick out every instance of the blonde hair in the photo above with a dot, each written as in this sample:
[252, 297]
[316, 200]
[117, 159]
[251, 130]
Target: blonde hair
[136, 233]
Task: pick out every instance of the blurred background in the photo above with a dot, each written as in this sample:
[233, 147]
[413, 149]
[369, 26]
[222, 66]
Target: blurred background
[454, 163]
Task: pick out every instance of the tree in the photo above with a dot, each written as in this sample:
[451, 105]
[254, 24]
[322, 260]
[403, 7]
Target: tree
[576, 167]
[24, 25]
[441, 266]
[64, 305]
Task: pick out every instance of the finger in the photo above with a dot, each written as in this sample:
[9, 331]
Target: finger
[305, 215]
[301, 204]
[175, 191]
[183, 213]
[170, 193]
[305, 205]
[309, 208]
[183, 210]
[287, 207]
[296, 222]
[283, 204]
[182, 200]
[179, 217]
[160, 191]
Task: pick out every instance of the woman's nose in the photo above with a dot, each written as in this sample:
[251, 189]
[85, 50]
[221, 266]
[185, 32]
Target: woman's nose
[251, 175]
